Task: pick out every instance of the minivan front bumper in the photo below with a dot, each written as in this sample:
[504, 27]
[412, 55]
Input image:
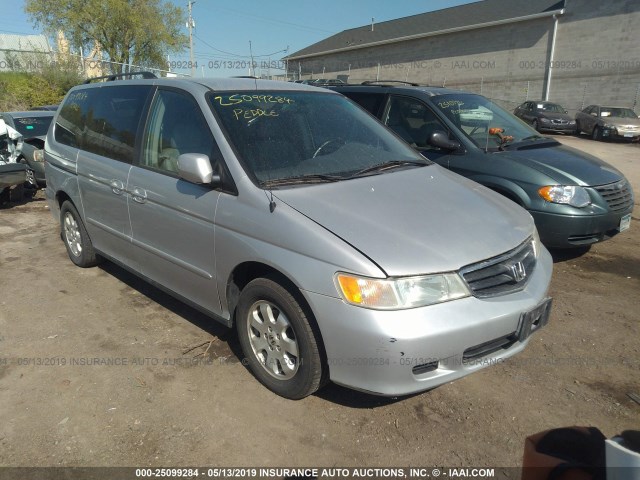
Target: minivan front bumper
[402, 352]
[567, 231]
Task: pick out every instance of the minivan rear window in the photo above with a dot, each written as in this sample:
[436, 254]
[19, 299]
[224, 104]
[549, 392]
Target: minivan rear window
[282, 134]
[102, 120]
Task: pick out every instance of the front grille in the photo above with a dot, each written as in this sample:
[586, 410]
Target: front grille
[503, 274]
[618, 195]
[559, 122]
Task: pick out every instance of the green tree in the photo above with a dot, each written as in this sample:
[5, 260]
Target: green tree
[138, 32]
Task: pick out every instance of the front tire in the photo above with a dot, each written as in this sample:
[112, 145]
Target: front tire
[596, 134]
[280, 341]
[75, 237]
[535, 125]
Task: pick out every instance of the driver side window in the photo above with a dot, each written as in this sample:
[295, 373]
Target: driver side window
[176, 126]
[413, 121]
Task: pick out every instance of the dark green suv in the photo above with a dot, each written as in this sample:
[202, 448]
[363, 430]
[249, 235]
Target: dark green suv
[576, 199]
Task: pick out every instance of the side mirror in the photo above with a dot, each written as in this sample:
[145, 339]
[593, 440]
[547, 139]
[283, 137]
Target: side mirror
[566, 111]
[196, 168]
[441, 140]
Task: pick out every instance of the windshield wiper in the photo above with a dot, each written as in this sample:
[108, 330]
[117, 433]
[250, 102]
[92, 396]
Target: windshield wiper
[302, 179]
[532, 137]
[381, 167]
[533, 141]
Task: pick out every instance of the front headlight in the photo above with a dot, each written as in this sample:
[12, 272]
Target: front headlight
[572, 122]
[38, 156]
[400, 293]
[544, 120]
[567, 194]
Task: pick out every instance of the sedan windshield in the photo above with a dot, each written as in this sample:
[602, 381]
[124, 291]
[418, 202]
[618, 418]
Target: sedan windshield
[617, 112]
[549, 107]
[482, 121]
[286, 138]
[33, 126]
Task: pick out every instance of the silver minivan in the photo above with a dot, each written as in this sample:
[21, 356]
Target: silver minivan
[336, 251]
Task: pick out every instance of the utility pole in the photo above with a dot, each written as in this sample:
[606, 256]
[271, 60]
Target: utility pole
[252, 66]
[191, 25]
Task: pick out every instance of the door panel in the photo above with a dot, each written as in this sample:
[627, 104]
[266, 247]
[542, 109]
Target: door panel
[104, 127]
[173, 220]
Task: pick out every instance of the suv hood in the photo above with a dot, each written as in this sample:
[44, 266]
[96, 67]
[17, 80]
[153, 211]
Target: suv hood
[564, 164]
[415, 221]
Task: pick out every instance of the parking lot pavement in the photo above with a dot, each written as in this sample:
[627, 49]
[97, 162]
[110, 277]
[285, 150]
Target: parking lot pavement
[98, 368]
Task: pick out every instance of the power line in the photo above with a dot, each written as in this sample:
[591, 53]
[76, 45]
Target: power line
[273, 20]
[237, 55]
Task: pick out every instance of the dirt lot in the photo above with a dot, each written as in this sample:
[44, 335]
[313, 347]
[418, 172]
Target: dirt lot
[159, 406]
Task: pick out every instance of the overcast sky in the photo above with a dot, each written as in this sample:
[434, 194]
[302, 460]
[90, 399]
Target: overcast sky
[224, 29]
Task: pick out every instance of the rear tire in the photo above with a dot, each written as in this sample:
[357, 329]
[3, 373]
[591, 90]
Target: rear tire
[281, 343]
[75, 237]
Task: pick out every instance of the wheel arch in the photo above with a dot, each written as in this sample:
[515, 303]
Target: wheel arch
[245, 272]
[507, 189]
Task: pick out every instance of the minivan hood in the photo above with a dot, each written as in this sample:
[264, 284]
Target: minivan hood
[565, 165]
[414, 221]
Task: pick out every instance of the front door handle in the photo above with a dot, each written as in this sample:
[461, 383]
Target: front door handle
[139, 195]
[117, 186]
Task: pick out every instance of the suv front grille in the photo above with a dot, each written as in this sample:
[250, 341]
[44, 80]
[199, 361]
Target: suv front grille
[618, 195]
[503, 274]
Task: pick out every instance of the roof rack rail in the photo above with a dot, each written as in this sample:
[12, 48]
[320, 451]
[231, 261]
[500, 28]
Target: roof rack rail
[247, 76]
[115, 76]
[384, 82]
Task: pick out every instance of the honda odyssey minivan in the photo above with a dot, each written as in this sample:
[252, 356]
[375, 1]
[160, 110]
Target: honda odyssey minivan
[286, 211]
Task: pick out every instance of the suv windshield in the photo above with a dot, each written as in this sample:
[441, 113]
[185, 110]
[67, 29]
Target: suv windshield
[482, 121]
[293, 137]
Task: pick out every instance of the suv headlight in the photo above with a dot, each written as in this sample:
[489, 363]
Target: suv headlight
[568, 194]
[400, 293]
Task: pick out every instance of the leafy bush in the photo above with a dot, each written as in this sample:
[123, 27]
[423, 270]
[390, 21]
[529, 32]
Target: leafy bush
[36, 80]
[21, 91]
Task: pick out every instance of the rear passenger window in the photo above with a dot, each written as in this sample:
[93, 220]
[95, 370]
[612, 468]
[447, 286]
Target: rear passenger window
[371, 102]
[103, 120]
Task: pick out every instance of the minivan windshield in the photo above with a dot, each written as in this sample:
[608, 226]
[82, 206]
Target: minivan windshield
[289, 137]
[483, 122]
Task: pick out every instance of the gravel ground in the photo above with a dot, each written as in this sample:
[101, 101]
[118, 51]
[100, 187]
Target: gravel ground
[156, 405]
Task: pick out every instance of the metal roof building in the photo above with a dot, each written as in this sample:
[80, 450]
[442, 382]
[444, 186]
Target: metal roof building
[12, 45]
[575, 52]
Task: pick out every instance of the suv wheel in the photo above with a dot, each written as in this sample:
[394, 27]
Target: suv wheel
[76, 238]
[280, 342]
[596, 134]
